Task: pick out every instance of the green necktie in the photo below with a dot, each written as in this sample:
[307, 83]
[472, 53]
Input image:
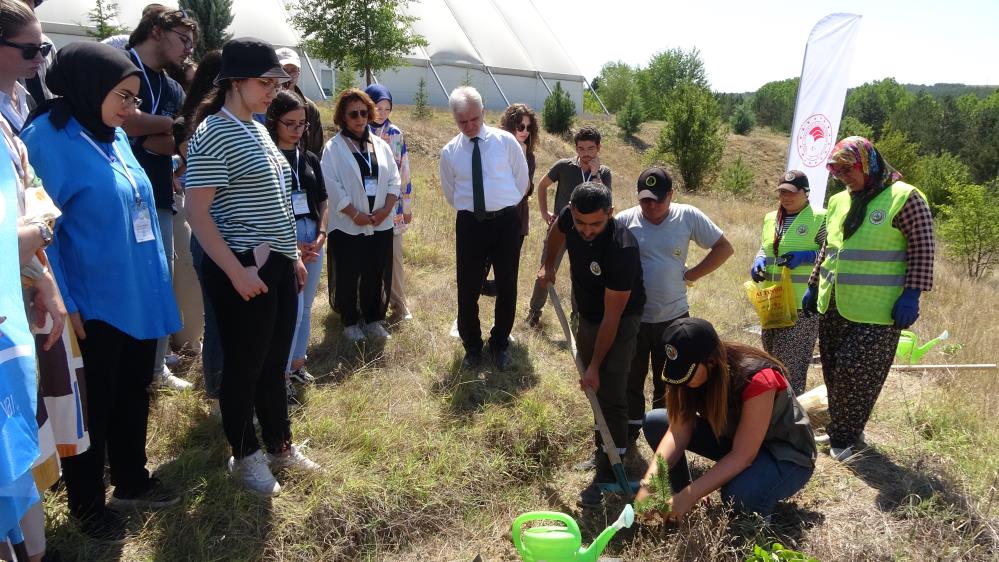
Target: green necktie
[478, 190]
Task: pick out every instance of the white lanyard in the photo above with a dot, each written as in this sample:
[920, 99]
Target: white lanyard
[270, 157]
[294, 173]
[128, 174]
[585, 177]
[365, 155]
[155, 97]
[15, 156]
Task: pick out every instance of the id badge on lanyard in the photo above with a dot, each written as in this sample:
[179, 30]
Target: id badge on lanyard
[370, 186]
[300, 203]
[142, 222]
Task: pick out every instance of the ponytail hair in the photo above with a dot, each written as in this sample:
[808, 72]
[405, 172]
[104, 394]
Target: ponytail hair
[213, 102]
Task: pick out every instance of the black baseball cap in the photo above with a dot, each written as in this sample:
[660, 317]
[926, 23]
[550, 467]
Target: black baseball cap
[688, 342]
[654, 183]
[793, 180]
[248, 57]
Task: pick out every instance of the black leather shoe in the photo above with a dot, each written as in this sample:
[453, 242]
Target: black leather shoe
[501, 359]
[472, 359]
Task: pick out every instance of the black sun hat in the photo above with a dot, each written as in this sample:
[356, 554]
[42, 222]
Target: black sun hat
[248, 57]
[688, 342]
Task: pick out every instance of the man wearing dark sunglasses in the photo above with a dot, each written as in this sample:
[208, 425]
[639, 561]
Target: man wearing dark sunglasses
[163, 38]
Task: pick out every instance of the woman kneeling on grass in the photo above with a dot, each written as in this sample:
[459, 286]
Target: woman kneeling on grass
[730, 403]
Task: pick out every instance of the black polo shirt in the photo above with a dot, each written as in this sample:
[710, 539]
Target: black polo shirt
[610, 261]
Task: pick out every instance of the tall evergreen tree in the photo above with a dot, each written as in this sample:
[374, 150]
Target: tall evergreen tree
[214, 17]
[103, 17]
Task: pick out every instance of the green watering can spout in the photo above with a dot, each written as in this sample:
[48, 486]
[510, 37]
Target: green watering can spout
[562, 543]
[909, 349]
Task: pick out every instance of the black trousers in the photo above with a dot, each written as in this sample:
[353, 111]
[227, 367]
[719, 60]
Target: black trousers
[256, 340]
[648, 345]
[119, 369]
[363, 274]
[498, 240]
[612, 395]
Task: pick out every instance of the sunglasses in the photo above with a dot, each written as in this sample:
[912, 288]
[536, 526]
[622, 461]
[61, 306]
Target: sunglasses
[363, 113]
[29, 51]
[521, 127]
[293, 126]
[128, 99]
[839, 171]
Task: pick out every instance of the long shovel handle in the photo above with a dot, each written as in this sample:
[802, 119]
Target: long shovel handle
[598, 414]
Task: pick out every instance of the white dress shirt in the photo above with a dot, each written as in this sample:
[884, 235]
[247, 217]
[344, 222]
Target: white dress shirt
[344, 186]
[504, 170]
[15, 112]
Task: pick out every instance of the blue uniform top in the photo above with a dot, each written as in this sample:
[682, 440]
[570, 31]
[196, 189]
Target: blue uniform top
[104, 273]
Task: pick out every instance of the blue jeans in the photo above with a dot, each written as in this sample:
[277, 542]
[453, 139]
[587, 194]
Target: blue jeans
[306, 230]
[755, 489]
[211, 345]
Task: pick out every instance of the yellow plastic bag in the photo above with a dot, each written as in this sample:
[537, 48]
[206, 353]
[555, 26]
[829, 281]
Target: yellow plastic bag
[774, 303]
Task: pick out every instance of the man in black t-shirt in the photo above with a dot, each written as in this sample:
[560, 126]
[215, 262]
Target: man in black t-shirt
[606, 272]
[164, 37]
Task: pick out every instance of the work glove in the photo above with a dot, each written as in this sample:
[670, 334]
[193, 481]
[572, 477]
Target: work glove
[792, 260]
[906, 309]
[810, 302]
[758, 269]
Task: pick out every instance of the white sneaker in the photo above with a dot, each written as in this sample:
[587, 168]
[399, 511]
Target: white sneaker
[166, 379]
[294, 460]
[353, 334]
[254, 475]
[376, 330]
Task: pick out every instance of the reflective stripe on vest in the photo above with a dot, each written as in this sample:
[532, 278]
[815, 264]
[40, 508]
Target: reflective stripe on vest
[866, 271]
[800, 236]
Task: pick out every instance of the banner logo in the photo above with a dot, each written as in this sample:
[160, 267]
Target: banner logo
[814, 140]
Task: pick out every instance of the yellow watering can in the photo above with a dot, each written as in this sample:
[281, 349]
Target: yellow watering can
[910, 351]
[562, 543]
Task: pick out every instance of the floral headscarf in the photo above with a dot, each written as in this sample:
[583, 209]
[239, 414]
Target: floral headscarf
[858, 152]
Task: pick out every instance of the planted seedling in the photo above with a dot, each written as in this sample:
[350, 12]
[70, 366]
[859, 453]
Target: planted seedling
[778, 553]
[659, 491]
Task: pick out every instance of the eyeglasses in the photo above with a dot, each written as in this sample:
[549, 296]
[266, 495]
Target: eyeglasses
[293, 126]
[185, 40]
[128, 99]
[29, 51]
[838, 171]
[521, 127]
[362, 113]
[270, 83]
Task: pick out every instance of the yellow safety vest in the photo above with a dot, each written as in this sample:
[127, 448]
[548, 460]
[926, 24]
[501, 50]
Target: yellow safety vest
[800, 236]
[868, 270]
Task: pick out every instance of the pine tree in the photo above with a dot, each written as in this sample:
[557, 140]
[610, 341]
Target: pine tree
[102, 17]
[421, 102]
[214, 17]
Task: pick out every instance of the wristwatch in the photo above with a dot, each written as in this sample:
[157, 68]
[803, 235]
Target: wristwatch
[45, 232]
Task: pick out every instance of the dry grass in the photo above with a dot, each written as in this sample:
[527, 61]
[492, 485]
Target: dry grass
[425, 462]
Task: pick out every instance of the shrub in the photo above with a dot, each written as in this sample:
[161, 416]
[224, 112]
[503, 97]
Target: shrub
[970, 227]
[938, 175]
[774, 102]
[737, 177]
[691, 138]
[617, 83]
[850, 126]
[590, 104]
[667, 71]
[629, 119]
[345, 78]
[421, 103]
[559, 111]
[743, 120]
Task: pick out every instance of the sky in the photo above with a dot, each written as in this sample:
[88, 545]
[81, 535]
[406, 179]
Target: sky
[746, 44]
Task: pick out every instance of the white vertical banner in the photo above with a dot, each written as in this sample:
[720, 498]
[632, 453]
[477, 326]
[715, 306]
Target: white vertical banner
[821, 94]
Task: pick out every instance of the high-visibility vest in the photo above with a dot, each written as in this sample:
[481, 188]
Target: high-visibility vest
[800, 236]
[868, 270]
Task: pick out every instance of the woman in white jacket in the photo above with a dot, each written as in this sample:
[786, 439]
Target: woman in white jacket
[362, 181]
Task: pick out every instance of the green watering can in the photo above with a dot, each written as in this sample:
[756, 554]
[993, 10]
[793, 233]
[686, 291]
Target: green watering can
[910, 351]
[562, 544]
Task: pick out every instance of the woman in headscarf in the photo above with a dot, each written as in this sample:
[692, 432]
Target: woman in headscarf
[107, 256]
[791, 238]
[875, 263]
[389, 132]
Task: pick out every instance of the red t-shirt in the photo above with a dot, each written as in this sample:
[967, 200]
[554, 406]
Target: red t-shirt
[762, 381]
